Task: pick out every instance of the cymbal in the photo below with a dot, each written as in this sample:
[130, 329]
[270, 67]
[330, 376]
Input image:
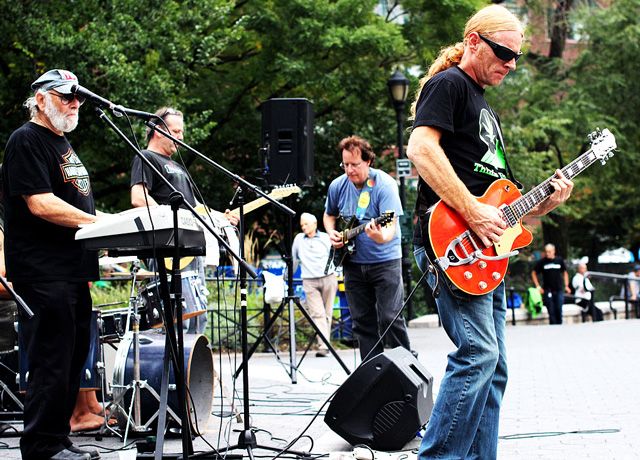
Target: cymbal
[106, 260]
[142, 275]
[146, 274]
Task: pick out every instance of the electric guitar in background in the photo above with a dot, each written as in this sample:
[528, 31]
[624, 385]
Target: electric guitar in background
[459, 252]
[338, 255]
[219, 220]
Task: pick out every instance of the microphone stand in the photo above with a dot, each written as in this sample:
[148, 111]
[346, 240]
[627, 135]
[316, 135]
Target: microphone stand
[234, 177]
[247, 439]
[16, 297]
[29, 313]
[173, 346]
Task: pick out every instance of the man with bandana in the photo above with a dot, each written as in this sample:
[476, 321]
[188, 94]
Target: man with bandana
[373, 274]
[47, 195]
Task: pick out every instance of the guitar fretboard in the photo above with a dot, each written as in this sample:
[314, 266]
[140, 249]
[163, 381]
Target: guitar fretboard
[523, 205]
[349, 234]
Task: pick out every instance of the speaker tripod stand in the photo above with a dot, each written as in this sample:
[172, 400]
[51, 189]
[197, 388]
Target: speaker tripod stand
[291, 301]
[247, 439]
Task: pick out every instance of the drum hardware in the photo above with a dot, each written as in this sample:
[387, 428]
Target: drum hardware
[175, 241]
[199, 371]
[133, 321]
[5, 389]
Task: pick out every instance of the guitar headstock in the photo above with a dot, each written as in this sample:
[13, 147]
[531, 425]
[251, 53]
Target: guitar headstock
[386, 218]
[602, 144]
[284, 191]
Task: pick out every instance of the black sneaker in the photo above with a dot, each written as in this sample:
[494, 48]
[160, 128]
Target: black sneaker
[95, 455]
[66, 454]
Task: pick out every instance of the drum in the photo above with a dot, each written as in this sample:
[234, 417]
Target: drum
[113, 323]
[8, 320]
[194, 294]
[195, 301]
[198, 365]
[91, 378]
[150, 299]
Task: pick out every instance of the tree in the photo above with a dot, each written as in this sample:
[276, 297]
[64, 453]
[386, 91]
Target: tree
[217, 60]
[557, 103]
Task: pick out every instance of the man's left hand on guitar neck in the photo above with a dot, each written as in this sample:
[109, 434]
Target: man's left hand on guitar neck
[563, 188]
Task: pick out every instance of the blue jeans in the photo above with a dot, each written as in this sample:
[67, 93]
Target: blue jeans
[374, 293]
[554, 300]
[464, 421]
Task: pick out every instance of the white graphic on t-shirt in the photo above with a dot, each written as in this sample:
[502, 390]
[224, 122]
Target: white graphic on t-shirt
[489, 135]
[74, 171]
[173, 169]
[552, 266]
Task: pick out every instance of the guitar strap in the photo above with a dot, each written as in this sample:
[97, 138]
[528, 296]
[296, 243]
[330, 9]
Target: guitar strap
[432, 267]
[364, 200]
[365, 197]
[506, 161]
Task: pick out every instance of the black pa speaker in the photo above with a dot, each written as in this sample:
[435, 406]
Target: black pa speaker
[384, 402]
[287, 141]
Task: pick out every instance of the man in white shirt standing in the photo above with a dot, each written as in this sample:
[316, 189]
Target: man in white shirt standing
[311, 250]
[584, 293]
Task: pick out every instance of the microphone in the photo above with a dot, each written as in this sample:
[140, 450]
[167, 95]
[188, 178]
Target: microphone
[97, 100]
[117, 110]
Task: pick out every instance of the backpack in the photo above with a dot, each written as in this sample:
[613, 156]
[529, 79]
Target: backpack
[534, 302]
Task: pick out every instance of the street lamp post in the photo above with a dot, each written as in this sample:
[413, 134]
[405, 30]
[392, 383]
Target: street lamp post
[398, 87]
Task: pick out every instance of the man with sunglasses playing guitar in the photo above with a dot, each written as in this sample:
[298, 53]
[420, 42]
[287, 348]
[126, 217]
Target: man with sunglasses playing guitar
[47, 195]
[457, 147]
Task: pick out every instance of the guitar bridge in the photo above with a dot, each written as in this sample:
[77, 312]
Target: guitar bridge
[457, 254]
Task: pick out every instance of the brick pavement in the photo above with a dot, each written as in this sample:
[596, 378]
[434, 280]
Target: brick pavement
[572, 394]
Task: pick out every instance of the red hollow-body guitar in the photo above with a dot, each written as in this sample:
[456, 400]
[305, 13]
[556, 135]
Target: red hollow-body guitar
[458, 251]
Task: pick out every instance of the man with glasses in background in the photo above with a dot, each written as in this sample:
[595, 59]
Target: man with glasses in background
[373, 274]
[47, 195]
[458, 149]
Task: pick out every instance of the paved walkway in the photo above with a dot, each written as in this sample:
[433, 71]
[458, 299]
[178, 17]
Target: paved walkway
[573, 393]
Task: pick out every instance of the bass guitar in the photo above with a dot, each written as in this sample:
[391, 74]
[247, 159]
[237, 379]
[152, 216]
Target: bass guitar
[458, 251]
[338, 255]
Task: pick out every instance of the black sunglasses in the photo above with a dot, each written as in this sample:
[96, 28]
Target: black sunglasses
[68, 98]
[501, 52]
[169, 112]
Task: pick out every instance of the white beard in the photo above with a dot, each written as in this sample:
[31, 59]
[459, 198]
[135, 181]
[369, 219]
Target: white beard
[57, 119]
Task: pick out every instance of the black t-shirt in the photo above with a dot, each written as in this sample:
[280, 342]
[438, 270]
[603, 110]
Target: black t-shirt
[552, 273]
[39, 161]
[471, 135]
[172, 171]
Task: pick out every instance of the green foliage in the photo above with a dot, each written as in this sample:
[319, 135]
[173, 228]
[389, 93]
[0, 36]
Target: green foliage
[549, 106]
[217, 60]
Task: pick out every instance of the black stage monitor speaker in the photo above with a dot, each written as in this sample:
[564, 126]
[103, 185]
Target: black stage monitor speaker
[384, 402]
[287, 138]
